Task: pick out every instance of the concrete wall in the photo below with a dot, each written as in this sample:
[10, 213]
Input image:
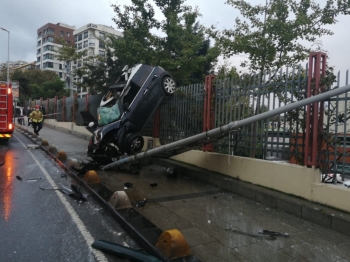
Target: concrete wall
[287, 178]
[283, 177]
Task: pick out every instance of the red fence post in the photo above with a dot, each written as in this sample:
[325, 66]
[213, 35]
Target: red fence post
[208, 112]
[314, 112]
[156, 123]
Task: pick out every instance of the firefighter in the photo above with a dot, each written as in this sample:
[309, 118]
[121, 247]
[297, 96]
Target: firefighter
[36, 118]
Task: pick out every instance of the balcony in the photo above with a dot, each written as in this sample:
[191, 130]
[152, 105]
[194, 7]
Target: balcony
[92, 45]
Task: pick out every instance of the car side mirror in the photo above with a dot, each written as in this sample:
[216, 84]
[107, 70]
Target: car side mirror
[91, 124]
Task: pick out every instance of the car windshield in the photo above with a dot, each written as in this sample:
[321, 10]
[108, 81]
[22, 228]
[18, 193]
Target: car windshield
[107, 115]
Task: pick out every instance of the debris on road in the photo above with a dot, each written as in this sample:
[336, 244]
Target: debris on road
[267, 237]
[19, 178]
[32, 146]
[273, 233]
[141, 203]
[73, 192]
[34, 179]
[127, 184]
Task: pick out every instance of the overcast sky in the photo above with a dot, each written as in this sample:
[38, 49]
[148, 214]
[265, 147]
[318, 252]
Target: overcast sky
[23, 17]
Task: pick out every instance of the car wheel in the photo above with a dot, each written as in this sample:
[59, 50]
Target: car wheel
[168, 85]
[134, 144]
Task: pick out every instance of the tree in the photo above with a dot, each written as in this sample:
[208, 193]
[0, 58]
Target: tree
[183, 49]
[273, 33]
[99, 72]
[30, 80]
[282, 32]
[68, 54]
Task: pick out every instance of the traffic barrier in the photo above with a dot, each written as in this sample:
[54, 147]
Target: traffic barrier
[119, 200]
[173, 244]
[91, 177]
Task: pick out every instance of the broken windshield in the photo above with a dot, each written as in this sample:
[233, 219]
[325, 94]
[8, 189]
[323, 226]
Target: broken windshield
[107, 115]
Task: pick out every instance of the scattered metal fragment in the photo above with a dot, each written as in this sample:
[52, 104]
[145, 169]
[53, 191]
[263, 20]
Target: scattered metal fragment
[34, 179]
[125, 252]
[32, 146]
[267, 237]
[127, 184]
[141, 203]
[153, 184]
[73, 192]
[273, 233]
[77, 192]
[19, 178]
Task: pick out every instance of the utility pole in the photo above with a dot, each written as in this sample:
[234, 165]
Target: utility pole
[8, 55]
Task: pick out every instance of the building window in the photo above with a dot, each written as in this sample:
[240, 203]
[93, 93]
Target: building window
[38, 51]
[80, 37]
[79, 46]
[60, 75]
[101, 44]
[50, 31]
[38, 59]
[39, 43]
[102, 35]
[48, 48]
[68, 34]
[86, 34]
[48, 39]
[48, 65]
[48, 56]
[62, 33]
[101, 53]
[86, 43]
[60, 66]
[39, 34]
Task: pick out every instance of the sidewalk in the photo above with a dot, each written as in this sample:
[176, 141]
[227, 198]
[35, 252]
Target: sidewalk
[205, 213]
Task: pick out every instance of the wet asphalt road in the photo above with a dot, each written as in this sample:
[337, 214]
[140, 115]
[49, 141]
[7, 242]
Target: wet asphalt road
[48, 225]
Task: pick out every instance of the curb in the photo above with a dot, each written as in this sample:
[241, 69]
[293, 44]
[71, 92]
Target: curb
[98, 191]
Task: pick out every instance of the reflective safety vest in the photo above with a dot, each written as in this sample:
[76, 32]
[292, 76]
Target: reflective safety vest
[36, 116]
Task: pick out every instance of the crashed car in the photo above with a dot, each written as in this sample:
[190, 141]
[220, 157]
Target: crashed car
[126, 109]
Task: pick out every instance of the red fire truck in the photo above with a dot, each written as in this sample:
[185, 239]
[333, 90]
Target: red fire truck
[6, 111]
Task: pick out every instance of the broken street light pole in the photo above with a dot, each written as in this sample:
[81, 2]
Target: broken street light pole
[226, 129]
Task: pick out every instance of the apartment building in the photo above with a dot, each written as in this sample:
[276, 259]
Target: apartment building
[90, 37]
[47, 44]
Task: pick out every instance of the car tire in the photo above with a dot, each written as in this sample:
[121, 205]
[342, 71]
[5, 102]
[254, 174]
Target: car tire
[168, 85]
[134, 143]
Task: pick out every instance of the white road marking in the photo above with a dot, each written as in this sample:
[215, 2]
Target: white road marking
[75, 217]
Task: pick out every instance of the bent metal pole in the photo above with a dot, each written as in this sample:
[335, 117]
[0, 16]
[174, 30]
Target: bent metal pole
[226, 129]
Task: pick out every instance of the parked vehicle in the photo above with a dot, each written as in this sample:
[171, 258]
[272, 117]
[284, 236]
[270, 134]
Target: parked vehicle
[126, 109]
[6, 112]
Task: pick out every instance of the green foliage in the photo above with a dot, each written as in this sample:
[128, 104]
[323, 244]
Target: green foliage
[36, 83]
[284, 32]
[183, 49]
[99, 72]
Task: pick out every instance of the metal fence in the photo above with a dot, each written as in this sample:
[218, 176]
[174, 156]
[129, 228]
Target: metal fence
[235, 99]
[281, 137]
